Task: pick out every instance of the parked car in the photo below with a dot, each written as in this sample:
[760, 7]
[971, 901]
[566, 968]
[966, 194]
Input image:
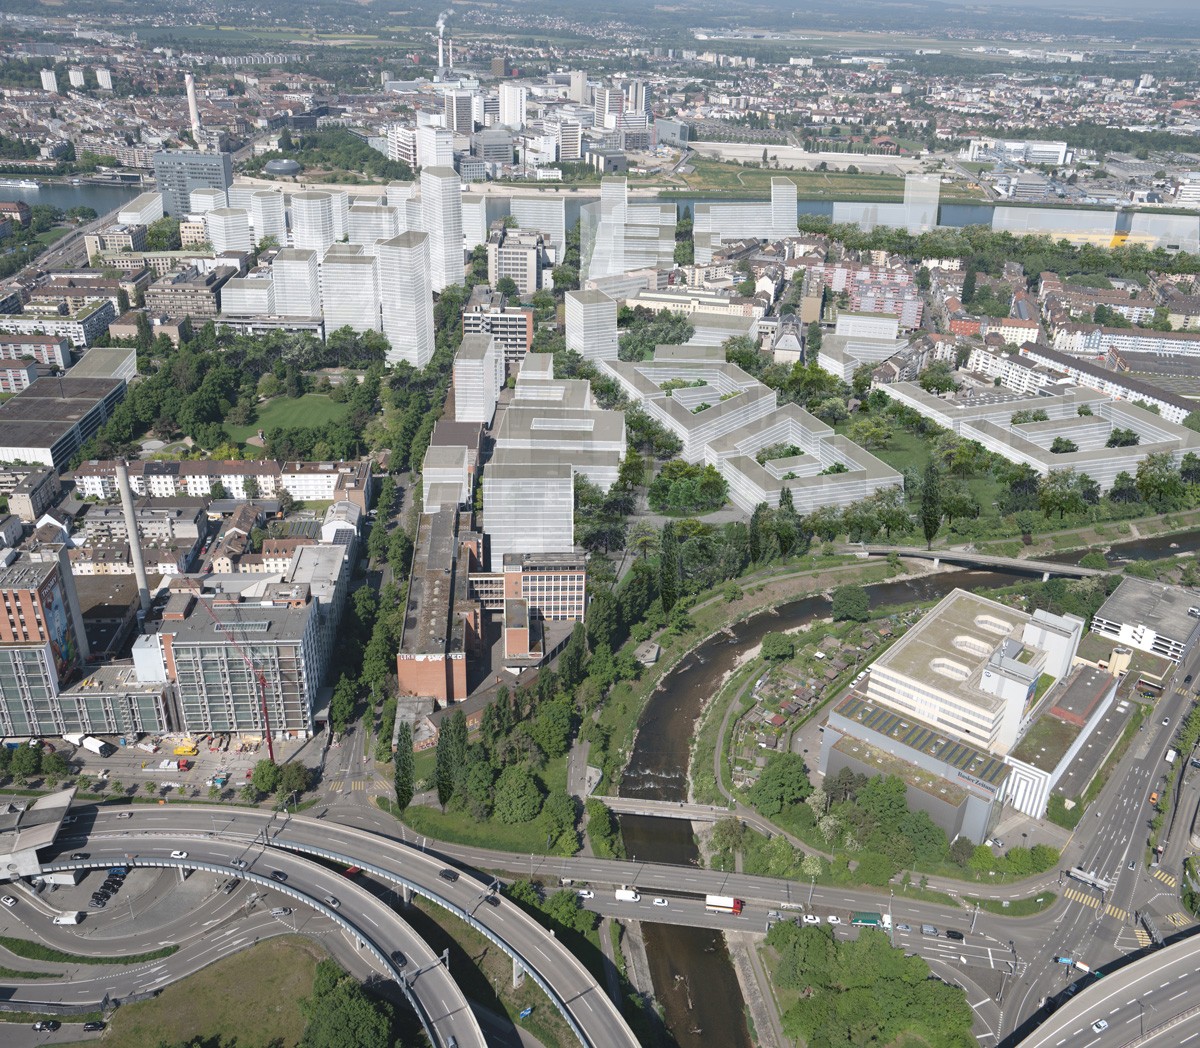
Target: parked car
[94, 1027]
[46, 1025]
[833, 918]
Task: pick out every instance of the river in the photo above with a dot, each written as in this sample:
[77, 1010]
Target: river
[101, 199]
[693, 975]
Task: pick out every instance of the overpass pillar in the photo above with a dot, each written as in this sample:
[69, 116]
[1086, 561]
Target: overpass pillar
[518, 973]
[182, 874]
[937, 562]
[406, 894]
[1045, 576]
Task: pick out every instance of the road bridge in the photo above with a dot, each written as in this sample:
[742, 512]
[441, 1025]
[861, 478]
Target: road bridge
[1047, 568]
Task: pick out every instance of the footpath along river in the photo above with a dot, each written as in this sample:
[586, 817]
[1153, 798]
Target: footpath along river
[693, 975]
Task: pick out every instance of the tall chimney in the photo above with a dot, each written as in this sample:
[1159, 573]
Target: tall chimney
[193, 109]
[441, 52]
[450, 50]
[135, 542]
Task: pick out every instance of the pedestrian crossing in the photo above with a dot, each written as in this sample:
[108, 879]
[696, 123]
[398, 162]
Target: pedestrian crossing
[1180, 920]
[1143, 937]
[1168, 879]
[1077, 896]
[1117, 912]
[335, 787]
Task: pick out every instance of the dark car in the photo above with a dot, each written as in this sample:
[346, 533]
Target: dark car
[99, 903]
[47, 1025]
[79, 856]
[279, 875]
[957, 936]
[399, 959]
[94, 1027]
[1187, 679]
[492, 900]
[448, 875]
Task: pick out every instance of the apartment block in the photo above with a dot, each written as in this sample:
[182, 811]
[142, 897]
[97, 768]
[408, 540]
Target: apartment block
[441, 213]
[591, 324]
[488, 312]
[478, 379]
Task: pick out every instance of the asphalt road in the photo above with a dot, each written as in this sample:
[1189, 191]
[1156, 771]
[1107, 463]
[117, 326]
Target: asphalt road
[374, 921]
[205, 832]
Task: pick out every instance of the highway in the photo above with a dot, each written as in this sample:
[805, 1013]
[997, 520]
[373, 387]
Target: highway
[442, 1006]
[207, 835]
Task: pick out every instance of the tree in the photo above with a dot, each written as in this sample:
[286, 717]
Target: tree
[937, 378]
[404, 772]
[668, 567]
[1122, 438]
[451, 757]
[783, 783]
[163, 234]
[507, 286]
[851, 603]
[1159, 482]
[26, 761]
[341, 705]
[931, 503]
[294, 778]
[518, 798]
[812, 340]
[778, 646]
[551, 728]
[340, 1014]
[968, 290]
[1062, 446]
[265, 776]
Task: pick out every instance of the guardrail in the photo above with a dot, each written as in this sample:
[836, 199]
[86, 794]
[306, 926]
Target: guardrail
[283, 889]
[458, 911]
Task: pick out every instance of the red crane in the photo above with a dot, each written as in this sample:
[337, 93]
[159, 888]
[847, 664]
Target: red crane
[254, 670]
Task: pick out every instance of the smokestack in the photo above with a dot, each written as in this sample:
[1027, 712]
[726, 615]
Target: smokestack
[441, 52]
[450, 48]
[193, 109]
[135, 543]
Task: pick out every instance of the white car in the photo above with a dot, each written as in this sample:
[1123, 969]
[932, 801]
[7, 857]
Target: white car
[833, 918]
[811, 918]
[9, 901]
[660, 902]
[585, 894]
[125, 815]
[1099, 1026]
[178, 855]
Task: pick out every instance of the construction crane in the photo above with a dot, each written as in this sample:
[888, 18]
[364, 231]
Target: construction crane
[258, 674]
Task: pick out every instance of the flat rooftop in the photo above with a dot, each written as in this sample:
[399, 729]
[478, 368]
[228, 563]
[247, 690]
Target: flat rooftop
[1163, 609]
[923, 738]
[961, 632]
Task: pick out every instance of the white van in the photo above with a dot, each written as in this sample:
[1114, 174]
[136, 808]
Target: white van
[69, 918]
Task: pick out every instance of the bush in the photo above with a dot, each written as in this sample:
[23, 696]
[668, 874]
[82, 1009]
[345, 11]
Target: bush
[778, 646]
[851, 602]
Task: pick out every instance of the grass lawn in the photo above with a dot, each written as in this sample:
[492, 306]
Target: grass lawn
[51, 235]
[461, 827]
[312, 409]
[251, 998]
[1015, 907]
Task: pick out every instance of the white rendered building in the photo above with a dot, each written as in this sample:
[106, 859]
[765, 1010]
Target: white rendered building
[268, 216]
[312, 221]
[512, 105]
[478, 379]
[349, 290]
[441, 215]
[202, 201]
[592, 325]
[296, 279]
[406, 296]
[228, 229]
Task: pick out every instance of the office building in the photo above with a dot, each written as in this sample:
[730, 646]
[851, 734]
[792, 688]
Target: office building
[339, 211]
[513, 98]
[609, 101]
[295, 278]
[441, 215]
[349, 290]
[475, 224]
[402, 145]
[179, 171]
[458, 111]
[493, 145]
[201, 201]
[517, 255]
[228, 229]
[435, 147]
[312, 221]
[406, 294]
[569, 134]
[115, 238]
[591, 321]
[372, 222]
[142, 210]
[250, 295]
[478, 379]
[268, 217]
[637, 97]
[547, 214]
[189, 293]
[43, 643]
[529, 507]
[488, 312]
[1162, 620]
[974, 667]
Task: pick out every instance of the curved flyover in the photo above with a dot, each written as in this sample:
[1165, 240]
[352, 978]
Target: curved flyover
[433, 994]
[571, 988]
